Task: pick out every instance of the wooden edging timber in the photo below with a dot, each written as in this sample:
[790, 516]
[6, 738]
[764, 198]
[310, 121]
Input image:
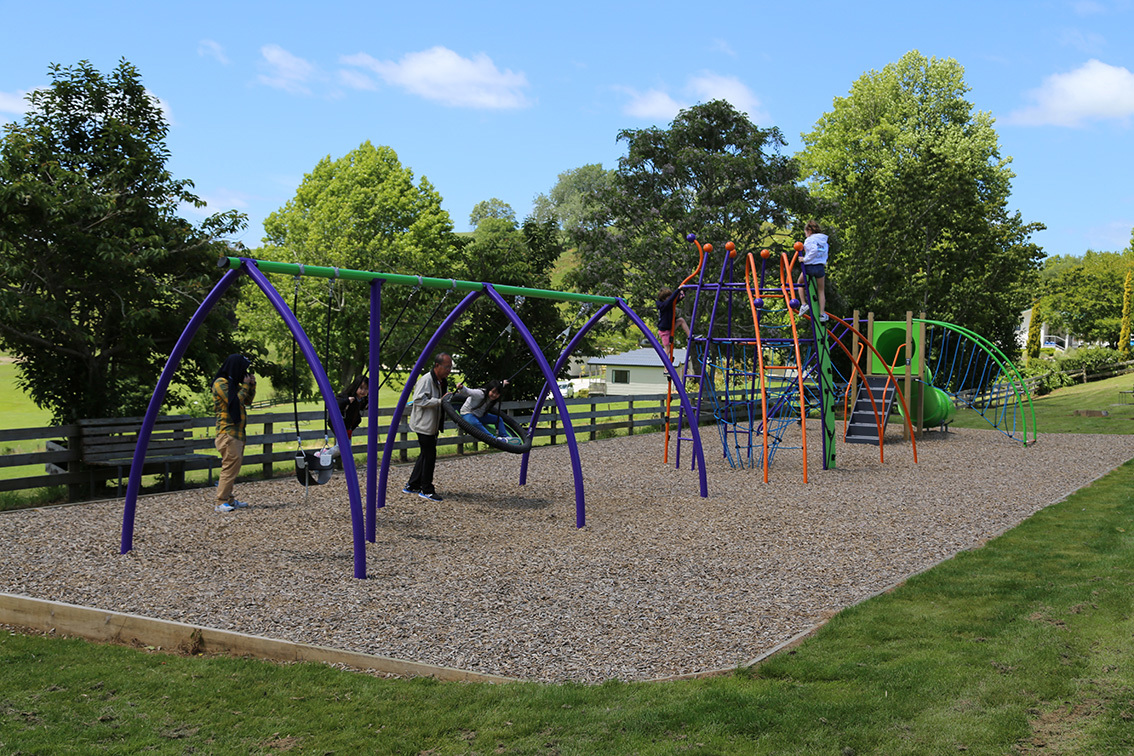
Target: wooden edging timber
[178, 637]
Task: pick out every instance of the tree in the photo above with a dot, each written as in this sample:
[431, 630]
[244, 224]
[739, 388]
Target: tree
[922, 193]
[713, 173]
[502, 254]
[1084, 296]
[98, 273]
[491, 208]
[571, 202]
[362, 211]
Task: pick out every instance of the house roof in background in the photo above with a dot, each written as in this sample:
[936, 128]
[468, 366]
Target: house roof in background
[645, 357]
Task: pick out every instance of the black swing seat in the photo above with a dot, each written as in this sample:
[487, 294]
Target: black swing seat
[521, 444]
[313, 468]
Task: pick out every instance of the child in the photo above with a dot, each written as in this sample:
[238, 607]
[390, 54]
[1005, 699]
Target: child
[234, 388]
[815, 265]
[667, 300]
[475, 410]
[352, 403]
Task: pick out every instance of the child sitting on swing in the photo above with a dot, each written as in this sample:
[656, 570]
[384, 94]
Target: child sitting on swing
[478, 402]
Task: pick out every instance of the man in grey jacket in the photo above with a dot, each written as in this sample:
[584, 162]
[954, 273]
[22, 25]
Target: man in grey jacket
[425, 421]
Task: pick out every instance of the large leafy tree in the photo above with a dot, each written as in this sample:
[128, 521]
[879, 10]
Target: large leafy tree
[366, 212]
[98, 273]
[484, 346]
[922, 192]
[712, 172]
[571, 202]
[1084, 296]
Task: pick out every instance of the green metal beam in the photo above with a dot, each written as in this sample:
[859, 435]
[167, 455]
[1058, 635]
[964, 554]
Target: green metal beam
[292, 269]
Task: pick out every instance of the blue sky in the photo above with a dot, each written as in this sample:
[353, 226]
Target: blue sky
[497, 99]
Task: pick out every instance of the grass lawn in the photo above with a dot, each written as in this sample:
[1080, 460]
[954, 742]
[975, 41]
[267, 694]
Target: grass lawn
[1020, 646]
[1055, 412]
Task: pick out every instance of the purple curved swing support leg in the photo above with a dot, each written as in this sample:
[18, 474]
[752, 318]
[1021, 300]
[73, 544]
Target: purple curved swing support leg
[567, 351]
[564, 416]
[698, 450]
[332, 408]
[399, 410]
[135, 481]
[372, 408]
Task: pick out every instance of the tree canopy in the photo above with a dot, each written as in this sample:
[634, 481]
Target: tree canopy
[485, 348]
[922, 195]
[362, 211]
[491, 208]
[1084, 295]
[571, 202]
[712, 172]
[98, 273]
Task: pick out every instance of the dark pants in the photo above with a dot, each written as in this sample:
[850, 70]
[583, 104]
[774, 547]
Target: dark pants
[422, 477]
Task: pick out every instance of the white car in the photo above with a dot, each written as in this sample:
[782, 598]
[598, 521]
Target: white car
[565, 387]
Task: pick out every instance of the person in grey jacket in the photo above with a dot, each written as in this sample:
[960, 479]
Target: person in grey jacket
[425, 421]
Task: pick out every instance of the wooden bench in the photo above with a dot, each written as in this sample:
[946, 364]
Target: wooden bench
[110, 442]
[1127, 396]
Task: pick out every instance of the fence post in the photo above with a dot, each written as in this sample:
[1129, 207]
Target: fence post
[630, 417]
[267, 471]
[403, 453]
[594, 420]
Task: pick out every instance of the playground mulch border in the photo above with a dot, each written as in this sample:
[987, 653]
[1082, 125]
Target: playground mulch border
[497, 580]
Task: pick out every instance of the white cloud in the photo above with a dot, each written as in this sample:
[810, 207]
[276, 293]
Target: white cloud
[659, 105]
[210, 49]
[13, 102]
[163, 106]
[1088, 7]
[651, 105]
[719, 45]
[441, 75]
[1089, 43]
[709, 86]
[285, 71]
[1094, 91]
[355, 79]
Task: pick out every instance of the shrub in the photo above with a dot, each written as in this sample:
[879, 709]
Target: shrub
[1092, 359]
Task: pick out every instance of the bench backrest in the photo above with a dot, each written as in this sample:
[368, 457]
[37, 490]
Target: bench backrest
[109, 440]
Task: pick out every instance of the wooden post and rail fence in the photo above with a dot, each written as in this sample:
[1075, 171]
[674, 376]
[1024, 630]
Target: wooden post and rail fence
[84, 456]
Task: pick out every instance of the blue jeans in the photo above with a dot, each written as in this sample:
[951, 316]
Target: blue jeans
[480, 423]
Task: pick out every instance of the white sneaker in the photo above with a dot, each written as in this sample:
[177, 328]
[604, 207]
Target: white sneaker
[239, 504]
[226, 507]
[823, 318]
[804, 308]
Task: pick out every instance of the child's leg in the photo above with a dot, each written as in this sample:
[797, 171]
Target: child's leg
[475, 422]
[685, 327]
[822, 294]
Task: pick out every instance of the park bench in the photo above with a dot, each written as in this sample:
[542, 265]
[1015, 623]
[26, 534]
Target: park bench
[110, 442]
[1127, 396]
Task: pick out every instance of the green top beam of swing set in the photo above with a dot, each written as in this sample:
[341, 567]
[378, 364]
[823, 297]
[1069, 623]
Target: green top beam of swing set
[293, 269]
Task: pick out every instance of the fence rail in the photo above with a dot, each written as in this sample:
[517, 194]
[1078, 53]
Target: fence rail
[272, 441]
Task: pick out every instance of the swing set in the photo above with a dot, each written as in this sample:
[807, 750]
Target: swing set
[363, 520]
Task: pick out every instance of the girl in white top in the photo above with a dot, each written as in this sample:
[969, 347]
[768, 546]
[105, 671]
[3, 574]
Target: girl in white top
[475, 410]
[815, 265]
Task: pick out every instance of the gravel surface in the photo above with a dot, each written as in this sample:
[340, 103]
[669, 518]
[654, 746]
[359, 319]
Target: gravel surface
[497, 579]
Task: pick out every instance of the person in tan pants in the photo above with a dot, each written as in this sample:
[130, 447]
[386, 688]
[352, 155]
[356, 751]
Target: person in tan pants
[234, 388]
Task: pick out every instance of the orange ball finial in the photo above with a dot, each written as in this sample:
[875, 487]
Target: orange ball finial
[708, 248]
[729, 246]
[798, 246]
[765, 254]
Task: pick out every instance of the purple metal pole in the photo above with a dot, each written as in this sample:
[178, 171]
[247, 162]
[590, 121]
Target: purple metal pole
[567, 351]
[332, 407]
[698, 451]
[395, 421]
[372, 408]
[549, 377]
[157, 398]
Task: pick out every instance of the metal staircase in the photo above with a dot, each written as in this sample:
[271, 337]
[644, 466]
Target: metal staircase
[864, 427]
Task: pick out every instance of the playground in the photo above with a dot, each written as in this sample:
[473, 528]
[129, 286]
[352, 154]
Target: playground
[497, 579]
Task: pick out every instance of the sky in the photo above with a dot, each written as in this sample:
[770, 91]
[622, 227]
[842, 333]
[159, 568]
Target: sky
[497, 99]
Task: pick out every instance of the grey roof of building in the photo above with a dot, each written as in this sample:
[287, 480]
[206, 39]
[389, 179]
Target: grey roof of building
[645, 357]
